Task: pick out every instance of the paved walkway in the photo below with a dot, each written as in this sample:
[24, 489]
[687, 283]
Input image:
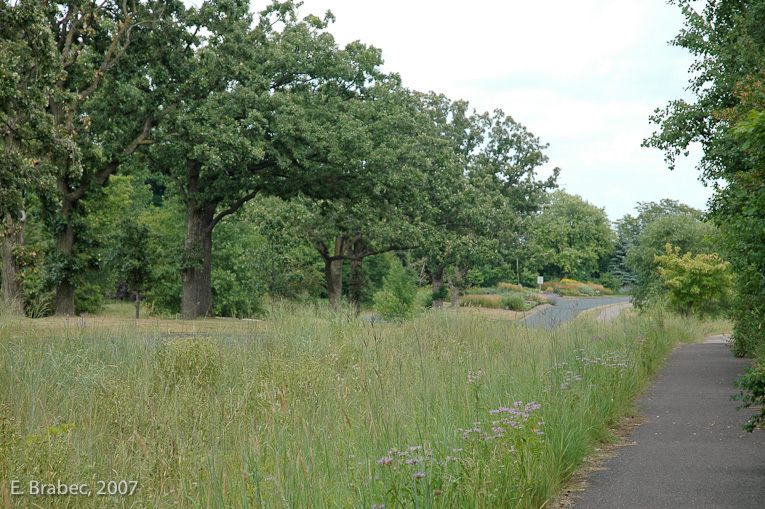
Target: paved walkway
[691, 452]
[567, 309]
[612, 312]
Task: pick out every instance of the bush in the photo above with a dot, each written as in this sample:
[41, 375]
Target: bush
[484, 301]
[574, 288]
[753, 382]
[397, 298]
[88, 299]
[189, 359]
[513, 302]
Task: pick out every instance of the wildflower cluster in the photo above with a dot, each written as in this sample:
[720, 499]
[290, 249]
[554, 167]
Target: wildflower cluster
[411, 456]
[80, 323]
[517, 417]
[474, 377]
[609, 359]
[416, 473]
[565, 376]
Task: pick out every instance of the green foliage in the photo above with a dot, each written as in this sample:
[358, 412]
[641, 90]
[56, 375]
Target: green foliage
[609, 281]
[29, 69]
[38, 300]
[237, 290]
[88, 299]
[629, 229]
[570, 238]
[476, 277]
[397, 297]
[693, 280]
[513, 302]
[166, 222]
[728, 40]
[741, 212]
[685, 231]
[587, 291]
[480, 194]
[442, 293]
[752, 385]
[132, 255]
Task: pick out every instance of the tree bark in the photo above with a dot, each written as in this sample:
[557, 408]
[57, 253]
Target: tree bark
[196, 298]
[455, 282]
[12, 289]
[437, 282]
[333, 270]
[357, 276]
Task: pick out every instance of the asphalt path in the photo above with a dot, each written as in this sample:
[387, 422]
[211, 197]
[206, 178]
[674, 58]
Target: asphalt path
[566, 309]
[691, 452]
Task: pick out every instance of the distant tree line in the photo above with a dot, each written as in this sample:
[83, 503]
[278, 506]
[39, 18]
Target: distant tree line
[204, 159]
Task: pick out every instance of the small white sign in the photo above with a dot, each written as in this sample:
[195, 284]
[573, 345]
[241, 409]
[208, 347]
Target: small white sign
[540, 280]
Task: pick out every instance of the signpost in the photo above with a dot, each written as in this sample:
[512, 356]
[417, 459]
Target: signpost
[540, 280]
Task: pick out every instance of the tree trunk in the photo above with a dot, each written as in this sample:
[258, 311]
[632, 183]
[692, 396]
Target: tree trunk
[65, 250]
[196, 298]
[455, 282]
[437, 283]
[137, 304]
[334, 272]
[454, 291]
[357, 276]
[12, 290]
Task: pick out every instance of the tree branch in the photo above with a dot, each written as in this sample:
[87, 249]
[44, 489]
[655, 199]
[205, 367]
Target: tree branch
[236, 206]
[108, 60]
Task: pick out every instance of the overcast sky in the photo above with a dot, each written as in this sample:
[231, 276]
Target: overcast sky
[583, 76]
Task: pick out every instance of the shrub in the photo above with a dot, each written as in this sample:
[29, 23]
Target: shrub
[189, 359]
[753, 382]
[397, 297]
[484, 301]
[510, 286]
[573, 288]
[513, 302]
[88, 299]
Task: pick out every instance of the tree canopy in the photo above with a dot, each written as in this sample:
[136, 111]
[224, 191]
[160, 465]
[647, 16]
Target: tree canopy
[727, 40]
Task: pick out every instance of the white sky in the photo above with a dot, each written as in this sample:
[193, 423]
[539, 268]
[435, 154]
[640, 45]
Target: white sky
[583, 76]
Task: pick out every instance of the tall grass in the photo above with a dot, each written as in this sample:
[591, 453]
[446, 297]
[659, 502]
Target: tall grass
[314, 409]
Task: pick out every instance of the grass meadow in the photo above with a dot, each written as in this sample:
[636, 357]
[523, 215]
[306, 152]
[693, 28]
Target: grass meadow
[314, 409]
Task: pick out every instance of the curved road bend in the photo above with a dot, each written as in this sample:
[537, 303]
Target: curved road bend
[566, 309]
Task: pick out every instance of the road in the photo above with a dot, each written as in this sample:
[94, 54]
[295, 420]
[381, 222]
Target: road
[567, 309]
